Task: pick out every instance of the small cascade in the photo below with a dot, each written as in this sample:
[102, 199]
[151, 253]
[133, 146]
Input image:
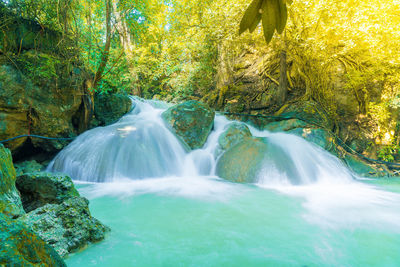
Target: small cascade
[137, 146]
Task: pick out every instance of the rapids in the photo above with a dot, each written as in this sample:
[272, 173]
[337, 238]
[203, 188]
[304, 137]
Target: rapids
[166, 206]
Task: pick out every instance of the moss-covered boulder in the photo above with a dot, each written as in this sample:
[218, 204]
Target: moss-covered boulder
[10, 202]
[255, 159]
[109, 108]
[234, 133]
[243, 162]
[68, 226]
[191, 121]
[20, 246]
[27, 166]
[40, 188]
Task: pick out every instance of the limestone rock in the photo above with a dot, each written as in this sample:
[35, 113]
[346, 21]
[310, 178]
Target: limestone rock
[27, 166]
[254, 159]
[10, 202]
[242, 162]
[109, 108]
[40, 188]
[233, 134]
[192, 121]
[21, 247]
[67, 227]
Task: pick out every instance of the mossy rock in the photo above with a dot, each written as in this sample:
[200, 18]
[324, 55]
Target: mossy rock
[234, 133]
[109, 108]
[285, 125]
[27, 166]
[253, 160]
[68, 226]
[10, 202]
[38, 106]
[22, 247]
[191, 121]
[364, 169]
[308, 111]
[320, 137]
[40, 188]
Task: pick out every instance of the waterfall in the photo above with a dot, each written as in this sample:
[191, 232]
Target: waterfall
[140, 146]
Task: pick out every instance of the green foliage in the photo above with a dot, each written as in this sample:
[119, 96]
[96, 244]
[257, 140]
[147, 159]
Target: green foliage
[387, 153]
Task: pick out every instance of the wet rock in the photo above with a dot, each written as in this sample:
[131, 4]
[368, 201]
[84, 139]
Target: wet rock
[67, 227]
[243, 162]
[10, 202]
[109, 108]
[234, 133]
[192, 121]
[364, 169]
[40, 188]
[22, 247]
[309, 112]
[27, 166]
[255, 159]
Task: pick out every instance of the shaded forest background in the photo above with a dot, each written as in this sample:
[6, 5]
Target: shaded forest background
[343, 56]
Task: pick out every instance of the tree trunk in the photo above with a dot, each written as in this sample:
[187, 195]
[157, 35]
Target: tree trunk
[282, 89]
[104, 57]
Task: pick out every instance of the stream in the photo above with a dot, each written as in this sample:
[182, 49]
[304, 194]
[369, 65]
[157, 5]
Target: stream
[166, 207]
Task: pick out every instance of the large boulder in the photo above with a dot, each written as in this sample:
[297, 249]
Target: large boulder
[243, 162]
[255, 159]
[234, 133]
[109, 108]
[40, 188]
[22, 247]
[192, 121]
[68, 226]
[10, 202]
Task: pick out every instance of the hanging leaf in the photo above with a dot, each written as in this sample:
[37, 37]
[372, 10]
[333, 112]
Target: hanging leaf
[281, 17]
[256, 22]
[250, 16]
[269, 11]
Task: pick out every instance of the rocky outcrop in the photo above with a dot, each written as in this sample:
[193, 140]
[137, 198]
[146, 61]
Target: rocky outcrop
[40, 188]
[68, 226]
[33, 105]
[57, 213]
[22, 247]
[109, 108]
[10, 202]
[191, 121]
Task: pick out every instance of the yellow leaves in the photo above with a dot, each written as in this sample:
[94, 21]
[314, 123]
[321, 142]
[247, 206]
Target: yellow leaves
[273, 14]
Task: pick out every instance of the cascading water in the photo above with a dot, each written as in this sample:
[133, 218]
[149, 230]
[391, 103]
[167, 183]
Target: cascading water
[136, 147]
[140, 146]
[166, 207]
